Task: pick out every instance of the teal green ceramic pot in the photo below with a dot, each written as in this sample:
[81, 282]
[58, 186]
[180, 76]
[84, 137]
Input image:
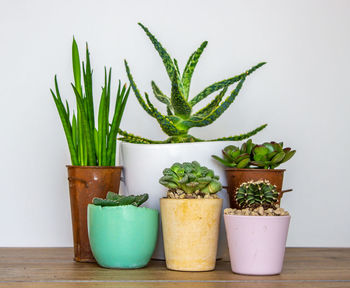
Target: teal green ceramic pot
[122, 236]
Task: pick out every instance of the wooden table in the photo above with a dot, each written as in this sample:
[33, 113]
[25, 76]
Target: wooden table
[53, 267]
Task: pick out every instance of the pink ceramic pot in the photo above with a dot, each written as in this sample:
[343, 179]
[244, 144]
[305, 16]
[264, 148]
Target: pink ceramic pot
[256, 243]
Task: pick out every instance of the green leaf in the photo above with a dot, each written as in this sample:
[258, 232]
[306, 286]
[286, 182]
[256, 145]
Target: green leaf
[243, 163]
[159, 94]
[224, 83]
[66, 126]
[218, 111]
[76, 66]
[178, 102]
[165, 123]
[190, 66]
[288, 156]
[212, 105]
[136, 91]
[91, 156]
[121, 100]
[241, 136]
[168, 63]
[223, 161]
[113, 196]
[278, 158]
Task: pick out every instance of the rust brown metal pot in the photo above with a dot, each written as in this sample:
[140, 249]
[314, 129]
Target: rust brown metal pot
[85, 183]
[235, 177]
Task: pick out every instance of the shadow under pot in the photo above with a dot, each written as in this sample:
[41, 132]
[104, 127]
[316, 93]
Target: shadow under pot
[85, 183]
[235, 177]
[122, 236]
[256, 243]
[190, 232]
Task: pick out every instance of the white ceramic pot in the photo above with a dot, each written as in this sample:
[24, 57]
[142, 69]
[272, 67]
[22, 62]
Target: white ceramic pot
[143, 165]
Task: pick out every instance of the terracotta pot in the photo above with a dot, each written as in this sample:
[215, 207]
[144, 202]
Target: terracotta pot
[256, 243]
[235, 177]
[190, 233]
[85, 183]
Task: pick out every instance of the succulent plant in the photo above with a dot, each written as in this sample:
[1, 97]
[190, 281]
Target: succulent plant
[270, 155]
[89, 145]
[190, 178]
[114, 199]
[256, 193]
[180, 117]
[236, 157]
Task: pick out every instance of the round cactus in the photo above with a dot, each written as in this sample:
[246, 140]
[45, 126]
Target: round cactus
[256, 193]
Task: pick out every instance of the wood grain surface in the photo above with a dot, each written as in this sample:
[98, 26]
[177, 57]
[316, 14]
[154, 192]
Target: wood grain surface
[54, 267]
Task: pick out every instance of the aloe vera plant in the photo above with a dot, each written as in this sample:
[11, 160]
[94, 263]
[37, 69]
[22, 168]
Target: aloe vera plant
[114, 199]
[180, 116]
[88, 145]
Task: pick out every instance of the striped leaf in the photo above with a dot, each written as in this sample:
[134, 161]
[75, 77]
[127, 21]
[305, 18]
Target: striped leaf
[219, 85]
[205, 111]
[136, 91]
[218, 111]
[241, 136]
[178, 102]
[165, 123]
[168, 63]
[190, 66]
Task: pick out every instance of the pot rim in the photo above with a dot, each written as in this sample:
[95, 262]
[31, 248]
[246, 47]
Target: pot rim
[122, 207]
[94, 167]
[255, 169]
[164, 198]
[257, 217]
[172, 144]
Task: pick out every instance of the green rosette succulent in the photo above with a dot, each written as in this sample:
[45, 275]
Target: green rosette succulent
[114, 199]
[190, 178]
[254, 194]
[270, 155]
[236, 157]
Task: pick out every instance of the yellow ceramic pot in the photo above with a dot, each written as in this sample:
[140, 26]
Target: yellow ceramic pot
[190, 233]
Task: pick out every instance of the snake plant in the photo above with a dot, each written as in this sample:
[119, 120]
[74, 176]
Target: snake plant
[90, 146]
[114, 199]
[180, 116]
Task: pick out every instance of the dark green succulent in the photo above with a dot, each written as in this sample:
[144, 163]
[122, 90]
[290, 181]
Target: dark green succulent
[190, 178]
[114, 199]
[180, 116]
[259, 193]
[270, 155]
[236, 157]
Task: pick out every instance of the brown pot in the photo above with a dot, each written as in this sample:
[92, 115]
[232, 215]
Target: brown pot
[85, 183]
[235, 177]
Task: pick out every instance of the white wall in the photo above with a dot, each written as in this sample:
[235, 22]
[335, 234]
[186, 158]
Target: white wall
[302, 93]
